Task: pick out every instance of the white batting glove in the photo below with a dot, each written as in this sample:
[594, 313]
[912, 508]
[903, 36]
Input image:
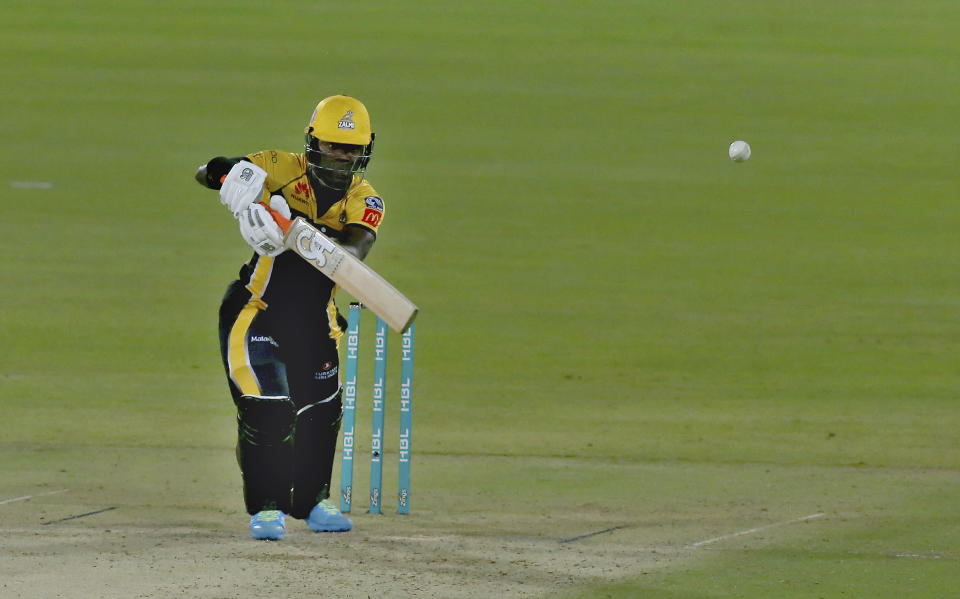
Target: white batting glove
[242, 186]
[278, 204]
[260, 231]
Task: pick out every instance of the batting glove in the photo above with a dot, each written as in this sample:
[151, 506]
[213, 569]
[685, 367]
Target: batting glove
[279, 204]
[242, 186]
[260, 231]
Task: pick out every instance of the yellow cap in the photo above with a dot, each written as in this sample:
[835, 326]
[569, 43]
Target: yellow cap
[342, 120]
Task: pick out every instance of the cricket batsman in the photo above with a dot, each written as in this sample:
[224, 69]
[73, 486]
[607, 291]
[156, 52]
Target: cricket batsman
[279, 327]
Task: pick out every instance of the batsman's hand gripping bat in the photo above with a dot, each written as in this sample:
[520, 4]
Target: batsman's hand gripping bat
[347, 271]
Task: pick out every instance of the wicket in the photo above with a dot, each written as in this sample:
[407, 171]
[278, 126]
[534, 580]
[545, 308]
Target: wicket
[379, 399]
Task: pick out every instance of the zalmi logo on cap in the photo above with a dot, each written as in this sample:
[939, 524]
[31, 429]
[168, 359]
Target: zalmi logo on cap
[346, 121]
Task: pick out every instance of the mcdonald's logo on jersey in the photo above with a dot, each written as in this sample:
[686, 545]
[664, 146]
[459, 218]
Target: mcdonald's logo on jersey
[372, 217]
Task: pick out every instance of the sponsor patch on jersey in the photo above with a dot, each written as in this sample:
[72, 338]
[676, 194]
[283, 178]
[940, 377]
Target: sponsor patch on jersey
[372, 217]
[346, 121]
[302, 189]
[263, 339]
[374, 202]
[328, 371]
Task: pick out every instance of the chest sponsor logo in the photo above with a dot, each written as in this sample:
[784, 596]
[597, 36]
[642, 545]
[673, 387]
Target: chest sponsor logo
[374, 203]
[372, 217]
[346, 121]
[302, 188]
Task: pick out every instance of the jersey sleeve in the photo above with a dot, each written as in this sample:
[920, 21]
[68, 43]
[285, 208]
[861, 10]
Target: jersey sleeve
[364, 207]
[282, 168]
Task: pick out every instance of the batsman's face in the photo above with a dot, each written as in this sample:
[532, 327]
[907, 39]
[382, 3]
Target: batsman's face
[333, 163]
[339, 153]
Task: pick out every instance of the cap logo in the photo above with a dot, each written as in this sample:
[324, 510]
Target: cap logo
[346, 121]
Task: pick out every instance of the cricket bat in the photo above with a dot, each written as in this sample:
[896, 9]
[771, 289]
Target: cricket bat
[347, 271]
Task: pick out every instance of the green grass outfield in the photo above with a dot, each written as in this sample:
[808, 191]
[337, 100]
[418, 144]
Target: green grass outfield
[617, 322]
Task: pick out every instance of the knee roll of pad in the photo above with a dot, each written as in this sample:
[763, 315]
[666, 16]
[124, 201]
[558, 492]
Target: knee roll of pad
[326, 411]
[265, 421]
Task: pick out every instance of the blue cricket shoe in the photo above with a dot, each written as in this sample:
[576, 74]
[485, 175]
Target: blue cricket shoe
[267, 524]
[325, 517]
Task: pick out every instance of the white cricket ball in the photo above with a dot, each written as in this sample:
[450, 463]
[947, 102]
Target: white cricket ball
[739, 151]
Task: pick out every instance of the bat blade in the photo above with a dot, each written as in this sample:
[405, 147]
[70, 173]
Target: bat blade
[350, 273]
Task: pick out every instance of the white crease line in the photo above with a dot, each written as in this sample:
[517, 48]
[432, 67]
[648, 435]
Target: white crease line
[753, 530]
[25, 497]
[421, 538]
[31, 184]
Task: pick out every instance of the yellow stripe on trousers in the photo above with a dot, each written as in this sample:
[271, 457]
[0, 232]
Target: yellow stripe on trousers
[237, 358]
[335, 331]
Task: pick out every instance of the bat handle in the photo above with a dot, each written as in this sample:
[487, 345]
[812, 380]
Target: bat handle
[284, 222]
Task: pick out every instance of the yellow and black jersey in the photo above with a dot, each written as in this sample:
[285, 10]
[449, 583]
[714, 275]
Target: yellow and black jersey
[287, 176]
[286, 286]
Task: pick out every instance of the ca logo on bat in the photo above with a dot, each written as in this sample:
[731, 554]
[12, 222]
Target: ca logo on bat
[317, 248]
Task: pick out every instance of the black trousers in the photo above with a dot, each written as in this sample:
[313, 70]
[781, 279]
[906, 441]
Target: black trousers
[282, 368]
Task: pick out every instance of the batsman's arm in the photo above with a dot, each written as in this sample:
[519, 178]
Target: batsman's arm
[212, 173]
[356, 239]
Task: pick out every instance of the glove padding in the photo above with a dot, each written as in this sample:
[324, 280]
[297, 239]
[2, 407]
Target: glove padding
[242, 186]
[259, 229]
